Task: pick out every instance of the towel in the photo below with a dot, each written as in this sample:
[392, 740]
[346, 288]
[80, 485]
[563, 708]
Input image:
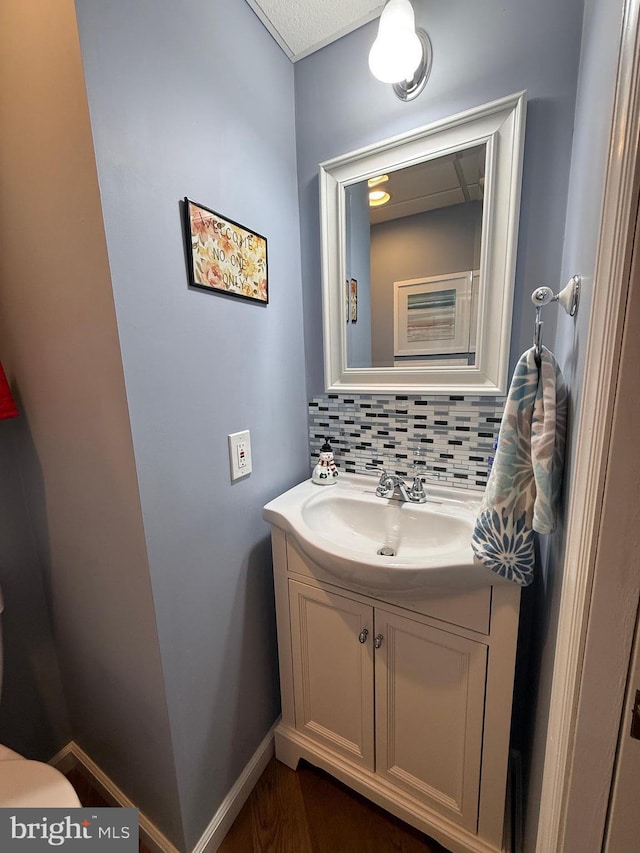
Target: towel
[7, 405]
[524, 485]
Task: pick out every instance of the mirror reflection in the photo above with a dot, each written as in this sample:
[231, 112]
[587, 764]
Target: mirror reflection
[413, 245]
[417, 290]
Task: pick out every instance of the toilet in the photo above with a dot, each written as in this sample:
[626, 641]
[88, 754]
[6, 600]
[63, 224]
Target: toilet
[31, 784]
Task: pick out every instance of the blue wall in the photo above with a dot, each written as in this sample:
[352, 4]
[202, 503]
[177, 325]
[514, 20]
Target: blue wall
[194, 98]
[592, 128]
[482, 51]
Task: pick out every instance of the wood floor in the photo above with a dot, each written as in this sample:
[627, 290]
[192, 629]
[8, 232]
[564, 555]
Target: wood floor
[307, 811]
[303, 811]
[88, 795]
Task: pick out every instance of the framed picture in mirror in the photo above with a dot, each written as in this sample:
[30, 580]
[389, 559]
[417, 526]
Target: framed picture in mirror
[353, 300]
[432, 315]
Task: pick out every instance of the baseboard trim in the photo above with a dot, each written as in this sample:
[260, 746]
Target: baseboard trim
[72, 756]
[229, 809]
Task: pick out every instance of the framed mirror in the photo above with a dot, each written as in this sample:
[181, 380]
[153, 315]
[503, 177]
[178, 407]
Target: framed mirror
[419, 237]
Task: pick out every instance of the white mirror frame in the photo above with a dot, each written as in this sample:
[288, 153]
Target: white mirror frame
[499, 125]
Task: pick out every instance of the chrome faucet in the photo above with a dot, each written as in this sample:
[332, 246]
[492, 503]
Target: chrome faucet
[394, 488]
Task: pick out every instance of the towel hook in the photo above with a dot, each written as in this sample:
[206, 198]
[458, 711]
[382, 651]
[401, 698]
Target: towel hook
[537, 333]
[568, 297]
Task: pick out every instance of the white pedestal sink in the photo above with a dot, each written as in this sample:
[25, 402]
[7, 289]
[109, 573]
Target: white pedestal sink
[383, 544]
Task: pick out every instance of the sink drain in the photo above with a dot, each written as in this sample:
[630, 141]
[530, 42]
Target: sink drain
[385, 551]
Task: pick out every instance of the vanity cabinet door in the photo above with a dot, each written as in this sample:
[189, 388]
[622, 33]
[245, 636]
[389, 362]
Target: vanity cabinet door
[332, 642]
[429, 710]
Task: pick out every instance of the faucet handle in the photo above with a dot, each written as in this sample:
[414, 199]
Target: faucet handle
[379, 468]
[371, 466]
[417, 493]
[386, 485]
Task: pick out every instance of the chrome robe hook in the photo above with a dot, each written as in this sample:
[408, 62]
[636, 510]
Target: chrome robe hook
[568, 297]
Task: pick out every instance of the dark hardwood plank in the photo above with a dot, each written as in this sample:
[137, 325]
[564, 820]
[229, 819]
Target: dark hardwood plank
[341, 820]
[89, 796]
[303, 811]
[273, 817]
[307, 811]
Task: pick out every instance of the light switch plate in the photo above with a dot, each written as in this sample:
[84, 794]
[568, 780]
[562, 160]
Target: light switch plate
[240, 454]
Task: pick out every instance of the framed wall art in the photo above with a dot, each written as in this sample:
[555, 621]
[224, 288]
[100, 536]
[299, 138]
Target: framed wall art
[354, 301]
[432, 315]
[224, 256]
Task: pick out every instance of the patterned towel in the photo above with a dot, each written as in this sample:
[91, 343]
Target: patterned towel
[524, 485]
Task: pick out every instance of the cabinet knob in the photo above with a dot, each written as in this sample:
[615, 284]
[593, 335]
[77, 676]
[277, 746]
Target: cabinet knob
[378, 641]
[362, 636]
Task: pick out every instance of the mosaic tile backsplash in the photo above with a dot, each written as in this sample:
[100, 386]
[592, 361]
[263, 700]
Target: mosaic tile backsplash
[450, 438]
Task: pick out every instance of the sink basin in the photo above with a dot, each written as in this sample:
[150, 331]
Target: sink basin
[380, 544]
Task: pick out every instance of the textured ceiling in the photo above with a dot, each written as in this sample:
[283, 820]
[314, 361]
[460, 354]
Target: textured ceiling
[302, 26]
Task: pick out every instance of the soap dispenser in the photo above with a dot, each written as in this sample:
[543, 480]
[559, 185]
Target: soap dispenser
[325, 473]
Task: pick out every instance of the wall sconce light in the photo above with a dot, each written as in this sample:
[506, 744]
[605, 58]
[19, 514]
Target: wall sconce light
[401, 54]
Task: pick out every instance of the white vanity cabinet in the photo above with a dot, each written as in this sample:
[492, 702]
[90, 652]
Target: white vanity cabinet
[429, 688]
[424, 687]
[331, 647]
[407, 701]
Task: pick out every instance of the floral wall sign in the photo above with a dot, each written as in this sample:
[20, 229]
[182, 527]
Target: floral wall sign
[224, 256]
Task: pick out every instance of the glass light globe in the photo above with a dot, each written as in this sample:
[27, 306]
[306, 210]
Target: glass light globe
[397, 51]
